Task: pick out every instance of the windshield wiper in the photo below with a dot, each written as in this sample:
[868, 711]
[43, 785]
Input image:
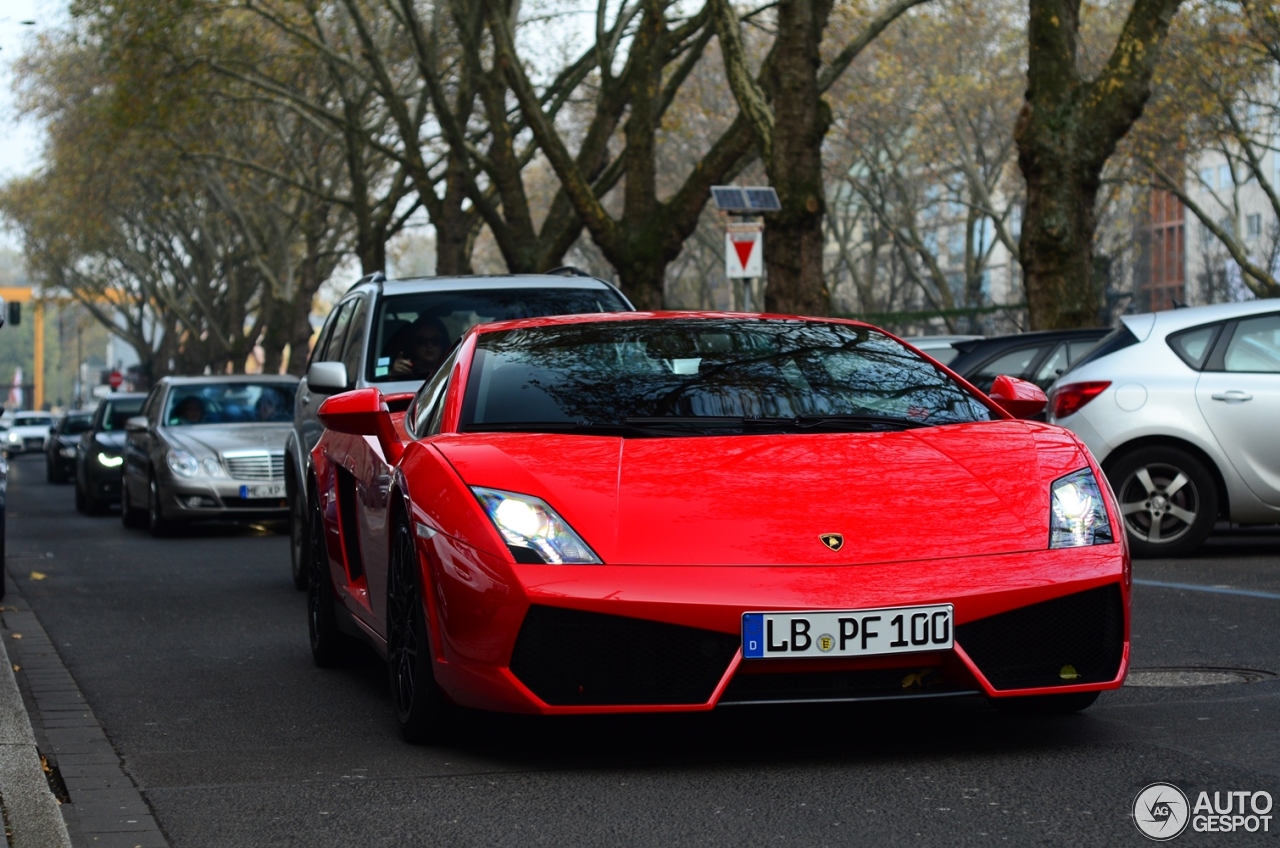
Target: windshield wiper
[859, 421]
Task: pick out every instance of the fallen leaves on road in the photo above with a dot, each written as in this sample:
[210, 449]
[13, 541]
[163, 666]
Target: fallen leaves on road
[38, 575]
[17, 636]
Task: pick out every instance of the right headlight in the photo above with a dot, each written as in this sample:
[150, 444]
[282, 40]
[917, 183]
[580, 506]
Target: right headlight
[182, 463]
[108, 460]
[1077, 513]
[530, 527]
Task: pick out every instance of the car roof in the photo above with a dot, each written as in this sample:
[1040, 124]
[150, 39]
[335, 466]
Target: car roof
[613, 317]
[1173, 320]
[125, 396]
[222, 379]
[417, 285]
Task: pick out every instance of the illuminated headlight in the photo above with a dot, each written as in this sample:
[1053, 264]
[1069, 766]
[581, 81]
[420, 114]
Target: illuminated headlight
[13, 437]
[68, 453]
[1078, 515]
[527, 524]
[182, 463]
[108, 460]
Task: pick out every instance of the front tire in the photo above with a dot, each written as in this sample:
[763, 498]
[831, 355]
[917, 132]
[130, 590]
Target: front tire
[130, 515]
[327, 642]
[421, 708]
[1168, 501]
[299, 541]
[158, 524]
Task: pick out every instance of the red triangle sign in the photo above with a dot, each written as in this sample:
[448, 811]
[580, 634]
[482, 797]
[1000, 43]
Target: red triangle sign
[743, 249]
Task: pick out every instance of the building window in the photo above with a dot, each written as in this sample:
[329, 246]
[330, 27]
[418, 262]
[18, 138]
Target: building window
[1224, 176]
[1206, 177]
[1253, 225]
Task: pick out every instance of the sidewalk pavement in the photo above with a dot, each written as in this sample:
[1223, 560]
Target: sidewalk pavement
[31, 812]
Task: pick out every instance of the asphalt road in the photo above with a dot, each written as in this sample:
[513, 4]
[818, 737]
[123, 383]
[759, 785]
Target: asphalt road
[192, 653]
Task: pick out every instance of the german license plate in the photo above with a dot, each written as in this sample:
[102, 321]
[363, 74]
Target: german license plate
[846, 633]
[262, 490]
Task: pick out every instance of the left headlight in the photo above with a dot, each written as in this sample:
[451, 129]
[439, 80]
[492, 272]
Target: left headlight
[528, 524]
[107, 460]
[1077, 514]
[182, 463]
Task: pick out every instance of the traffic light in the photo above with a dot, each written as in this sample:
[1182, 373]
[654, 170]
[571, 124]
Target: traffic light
[15, 313]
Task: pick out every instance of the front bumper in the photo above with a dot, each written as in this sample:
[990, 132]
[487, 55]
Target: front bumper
[593, 639]
[194, 500]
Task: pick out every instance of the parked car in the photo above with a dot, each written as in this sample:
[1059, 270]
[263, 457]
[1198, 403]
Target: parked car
[369, 337]
[941, 348]
[1179, 407]
[100, 452]
[1038, 357]
[681, 511]
[207, 447]
[60, 452]
[4, 485]
[28, 432]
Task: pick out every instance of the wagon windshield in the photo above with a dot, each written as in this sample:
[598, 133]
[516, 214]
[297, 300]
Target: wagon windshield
[699, 376]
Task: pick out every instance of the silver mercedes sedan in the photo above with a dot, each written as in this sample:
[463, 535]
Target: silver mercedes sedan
[207, 447]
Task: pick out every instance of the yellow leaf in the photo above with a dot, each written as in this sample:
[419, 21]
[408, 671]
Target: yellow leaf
[17, 636]
[1068, 672]
[17, 668]
[38, 575]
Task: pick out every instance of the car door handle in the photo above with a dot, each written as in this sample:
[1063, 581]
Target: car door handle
[1232, 396]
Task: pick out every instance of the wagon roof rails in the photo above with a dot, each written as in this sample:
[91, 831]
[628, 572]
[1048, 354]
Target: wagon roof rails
[377, 277]
[570, 271]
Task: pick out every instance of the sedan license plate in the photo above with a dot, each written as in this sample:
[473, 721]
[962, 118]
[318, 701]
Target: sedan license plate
[262, 490]
[846, 633]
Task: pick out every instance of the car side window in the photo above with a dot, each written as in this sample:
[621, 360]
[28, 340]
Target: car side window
[151, 403]
[333, 350]
[1052, 368]
[428, 406]
[1255, 346]
[1014, 363]
[354, 346]
[1193, 346]
[1075, 350]
[322, 341]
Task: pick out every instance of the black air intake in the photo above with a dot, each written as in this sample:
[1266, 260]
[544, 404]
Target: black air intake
[865, 685]
[569, 657]
[1046, 643]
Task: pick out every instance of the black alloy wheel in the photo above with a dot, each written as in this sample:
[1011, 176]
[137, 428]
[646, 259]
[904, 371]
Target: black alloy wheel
[328, 644]
[421, 709]
[299, 541]
[158, 524]
[1168, 500]
[1045, 705]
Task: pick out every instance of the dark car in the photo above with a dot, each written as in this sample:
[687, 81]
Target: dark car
[1038, 357]
[99, 453]
[60, 448]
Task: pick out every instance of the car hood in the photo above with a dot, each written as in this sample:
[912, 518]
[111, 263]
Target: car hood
[221, 438]
[110, 440]
[957, 490]
[30, 430]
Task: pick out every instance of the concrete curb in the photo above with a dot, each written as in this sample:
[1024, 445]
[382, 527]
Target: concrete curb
[34, 815]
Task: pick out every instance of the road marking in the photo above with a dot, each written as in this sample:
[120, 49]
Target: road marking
[1217, 590]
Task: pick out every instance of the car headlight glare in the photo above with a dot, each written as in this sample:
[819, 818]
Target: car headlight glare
[110, 460]
[13, 437]
[1078, 515]
[182, 463]
[528, 523]
[68, 453]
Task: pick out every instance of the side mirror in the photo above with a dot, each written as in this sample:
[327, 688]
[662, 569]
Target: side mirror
[1018, 397]
[327, 377]
[137, 424]
[363, 412]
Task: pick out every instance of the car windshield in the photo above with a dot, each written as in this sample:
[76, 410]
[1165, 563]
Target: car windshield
[229, 403]
[413, 332]
[115, 412]
[73, 425]
[697, 376]
[32, 421]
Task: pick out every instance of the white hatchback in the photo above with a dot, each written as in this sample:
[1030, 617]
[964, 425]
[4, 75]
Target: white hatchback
[1179, 408]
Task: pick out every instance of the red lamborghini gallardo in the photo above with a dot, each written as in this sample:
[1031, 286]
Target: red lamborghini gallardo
[653, 512]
